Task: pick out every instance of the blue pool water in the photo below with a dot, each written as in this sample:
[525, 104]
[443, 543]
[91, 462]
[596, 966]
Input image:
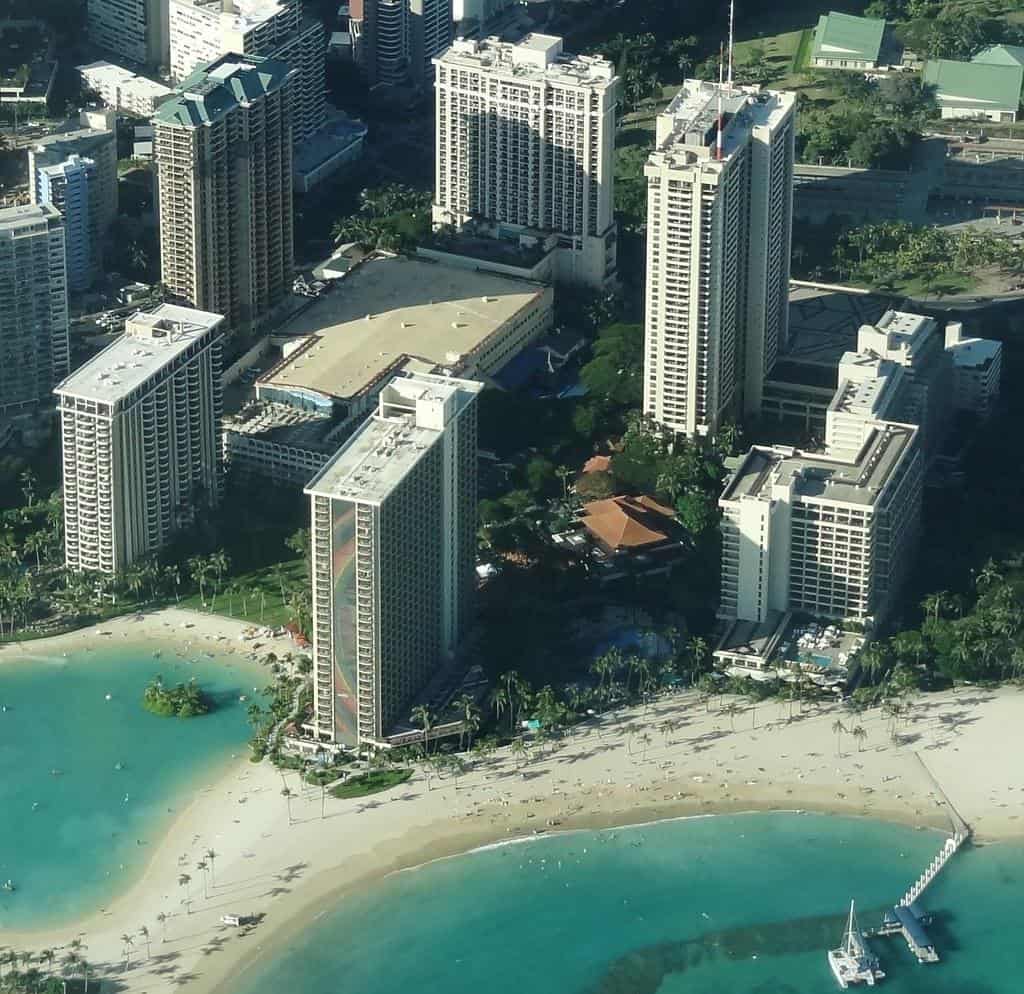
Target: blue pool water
[728, 905]
[70, 841]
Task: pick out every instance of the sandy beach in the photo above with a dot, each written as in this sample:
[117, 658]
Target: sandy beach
[177, 627]
[964, 744]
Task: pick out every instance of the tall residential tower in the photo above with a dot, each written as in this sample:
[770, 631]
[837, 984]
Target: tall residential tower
[76, 171]
[135, 30]
[525, 139]
[395, 41]
[393, 547]
[719, 228]
[33, 305]
[140, 426]
[223, 147]
[201, 31]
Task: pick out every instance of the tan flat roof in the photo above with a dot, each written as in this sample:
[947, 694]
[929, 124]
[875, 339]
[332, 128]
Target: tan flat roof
[389, 308]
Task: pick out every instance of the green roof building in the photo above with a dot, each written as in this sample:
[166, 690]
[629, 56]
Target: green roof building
[842, 41]
[976, 89]
[223, 149]
[1001, 55]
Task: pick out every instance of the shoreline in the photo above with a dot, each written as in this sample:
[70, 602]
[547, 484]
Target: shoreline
[213, 636]
[602, 776]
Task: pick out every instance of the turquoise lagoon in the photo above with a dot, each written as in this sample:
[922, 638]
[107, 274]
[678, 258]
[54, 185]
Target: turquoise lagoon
[70, 840]
[723, 905]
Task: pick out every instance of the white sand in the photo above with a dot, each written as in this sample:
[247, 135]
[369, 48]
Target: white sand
[969, 739]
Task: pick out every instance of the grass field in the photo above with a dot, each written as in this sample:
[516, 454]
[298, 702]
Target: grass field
[370, 783]
[253, 596]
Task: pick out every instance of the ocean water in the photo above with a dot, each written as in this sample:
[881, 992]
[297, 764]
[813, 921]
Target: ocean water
[742, 904]
[71, 840]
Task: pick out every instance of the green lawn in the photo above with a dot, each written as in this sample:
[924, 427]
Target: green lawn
[258, 595]
[370, 783]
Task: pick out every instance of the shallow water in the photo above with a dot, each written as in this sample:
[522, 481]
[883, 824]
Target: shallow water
[71, 839]
[729, 905]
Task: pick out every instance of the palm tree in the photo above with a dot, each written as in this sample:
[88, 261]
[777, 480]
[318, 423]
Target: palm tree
[513, 687]
[519, 750]
[838, 728]
[162, 919]
[47, 956]
[183, 881]
[199, 571]
[699, 650]
[72, 961]
[859, 734]
[470, 711]
[203, 867]
[126, 951]
[29, 481]
[211, 856]
[645, 741]
[287, 793]
[422, 716]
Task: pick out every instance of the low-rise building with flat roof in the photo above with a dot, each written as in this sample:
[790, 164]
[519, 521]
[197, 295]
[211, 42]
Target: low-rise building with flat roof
[843, 41]
[140, 425]
[390, 314]
[975, 89]
[278, 443]
[123, 89]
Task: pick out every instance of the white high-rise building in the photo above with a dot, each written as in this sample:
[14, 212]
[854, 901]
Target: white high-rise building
[136, 30]
[66, 165]
[719, 228]
[525, 142]
[140, 424]
[393, 548]
[201, 31]
[223, 148]
[33, 305]
[828, 534]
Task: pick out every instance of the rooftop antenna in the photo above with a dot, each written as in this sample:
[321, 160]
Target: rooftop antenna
[732, 10]
[718, 137]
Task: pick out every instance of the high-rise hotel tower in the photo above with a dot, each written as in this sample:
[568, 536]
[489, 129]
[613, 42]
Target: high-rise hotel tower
[393, 548]
[140, 427]
[719, 227]
[525, 143]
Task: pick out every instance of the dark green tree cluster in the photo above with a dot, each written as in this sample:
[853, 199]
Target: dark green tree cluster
[893, 252]
[871, 125]
[948, 31]
[976, 639]
[186, 700]
[392, 217]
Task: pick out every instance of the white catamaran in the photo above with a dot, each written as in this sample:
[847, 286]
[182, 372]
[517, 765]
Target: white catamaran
[852, 962]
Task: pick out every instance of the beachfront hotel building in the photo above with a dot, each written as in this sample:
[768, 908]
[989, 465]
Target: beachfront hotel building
[201, 31]
[829, 534]
[393, 546]
[719, 228]
[140, 428]
[33, 305]
[223, 148]
[524, 150]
